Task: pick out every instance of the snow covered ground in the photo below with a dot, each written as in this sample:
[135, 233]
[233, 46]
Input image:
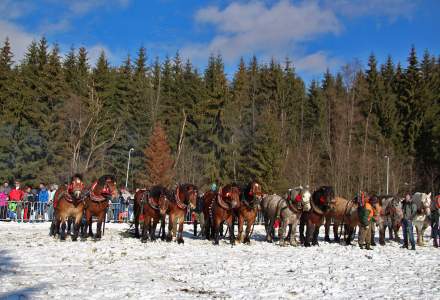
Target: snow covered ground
[34, 265]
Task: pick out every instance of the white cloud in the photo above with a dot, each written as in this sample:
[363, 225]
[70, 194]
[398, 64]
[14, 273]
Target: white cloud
[316, 63]
[94, 52]
[388, 8]
[19, 38]
[257, 28]
[12, 9]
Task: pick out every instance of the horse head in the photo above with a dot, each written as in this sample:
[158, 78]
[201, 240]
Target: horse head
[231, 195]
[425, 203]
[164, 201]
[77, 187]
[254, 194]
[189, 193]
[306, 196]
[324, 197]
[106, 187]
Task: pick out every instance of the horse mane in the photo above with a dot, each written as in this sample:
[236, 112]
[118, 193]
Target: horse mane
[104, 178]
[77, 175]
[157, 190]
[326, 191]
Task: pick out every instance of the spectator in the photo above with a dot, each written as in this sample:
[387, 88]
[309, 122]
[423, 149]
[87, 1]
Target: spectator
[409, 212]
[43, 199]
[29, 204]
[16, 196]
[3, 203]
[7, 188]
[52, 191]
[125, 202]
[365, 212]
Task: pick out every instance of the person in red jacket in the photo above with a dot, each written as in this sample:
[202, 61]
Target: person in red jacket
[17, 195]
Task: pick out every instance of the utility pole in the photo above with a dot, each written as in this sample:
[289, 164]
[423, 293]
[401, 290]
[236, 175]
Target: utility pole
[388, 172]
[128, 167]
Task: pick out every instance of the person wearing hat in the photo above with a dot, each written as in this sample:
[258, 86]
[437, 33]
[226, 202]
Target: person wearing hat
[409, 209]
[365, 212]
[16, 195]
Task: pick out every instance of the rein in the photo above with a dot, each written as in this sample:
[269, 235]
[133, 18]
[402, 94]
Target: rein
[222, 203]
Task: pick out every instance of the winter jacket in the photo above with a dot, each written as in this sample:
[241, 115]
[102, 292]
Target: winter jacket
[3, 199]
[16, 195]
[43, 196]
[365, 214]
[409, 209]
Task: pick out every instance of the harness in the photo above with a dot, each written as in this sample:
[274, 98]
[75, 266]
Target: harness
[98, 198]
[222, 203]
[179, 203]
[316, 209]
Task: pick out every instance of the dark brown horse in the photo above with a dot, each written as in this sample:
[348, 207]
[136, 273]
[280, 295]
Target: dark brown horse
[96, 202]
[152, 205]
[68, 203]
[184, 197]
[207, 202]
[222, 210]
[321, 202]
[247, 211]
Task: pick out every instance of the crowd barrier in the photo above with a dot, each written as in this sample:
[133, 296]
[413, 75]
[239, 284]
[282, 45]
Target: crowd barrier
[34, 211]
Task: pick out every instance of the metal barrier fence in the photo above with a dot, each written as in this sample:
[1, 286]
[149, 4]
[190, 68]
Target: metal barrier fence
[32, 211]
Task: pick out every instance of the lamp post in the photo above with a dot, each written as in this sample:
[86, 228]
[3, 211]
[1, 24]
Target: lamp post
[128, 166]
[388, 171]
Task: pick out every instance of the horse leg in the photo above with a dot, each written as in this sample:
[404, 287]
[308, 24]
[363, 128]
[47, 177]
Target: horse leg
[292, 238]
[180, 233]
[327, 229]
[309, 231]
[195, 227]
[63, 229]
[136, 221]
[282, 231]
[230, 223]
[249, 225]
[76, 225]
[101, 219]
[302, 223]
[144, 236]
[216, 227]
[336, 231]
[315, 235]
[382, 229]
[170, 228]
[240, 228]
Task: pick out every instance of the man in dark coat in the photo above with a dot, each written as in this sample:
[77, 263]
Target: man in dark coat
[409, 212]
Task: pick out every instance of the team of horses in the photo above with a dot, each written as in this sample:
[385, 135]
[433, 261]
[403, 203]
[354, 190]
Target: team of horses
[229, 205]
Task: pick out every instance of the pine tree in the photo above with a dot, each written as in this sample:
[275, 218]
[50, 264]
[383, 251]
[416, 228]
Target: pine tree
[159, 162]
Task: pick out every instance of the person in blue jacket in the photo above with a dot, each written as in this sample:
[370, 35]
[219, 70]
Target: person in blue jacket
[43, 199]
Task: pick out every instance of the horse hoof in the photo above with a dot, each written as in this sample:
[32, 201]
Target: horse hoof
[327, 239]
[137, 236]
[74, 239]
[143, 241]
[216, 243]
[247, 241]
[180, 241]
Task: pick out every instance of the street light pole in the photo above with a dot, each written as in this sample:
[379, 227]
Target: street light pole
[128, 167]
[388, 171]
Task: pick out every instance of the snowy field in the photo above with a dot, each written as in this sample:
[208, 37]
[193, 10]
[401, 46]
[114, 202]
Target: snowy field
[36, 266]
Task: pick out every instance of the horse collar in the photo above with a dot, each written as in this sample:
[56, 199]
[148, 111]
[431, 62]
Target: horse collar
[179, 203]
[222, 203]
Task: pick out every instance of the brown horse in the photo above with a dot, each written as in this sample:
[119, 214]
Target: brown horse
[152, 205]
[207, 201]
[222, 210]
[68, 203]
[96, 202]
[247, 211]
[183, 198]
[321, 203]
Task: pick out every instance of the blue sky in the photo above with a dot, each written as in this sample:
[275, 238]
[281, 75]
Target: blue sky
[315, 34]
